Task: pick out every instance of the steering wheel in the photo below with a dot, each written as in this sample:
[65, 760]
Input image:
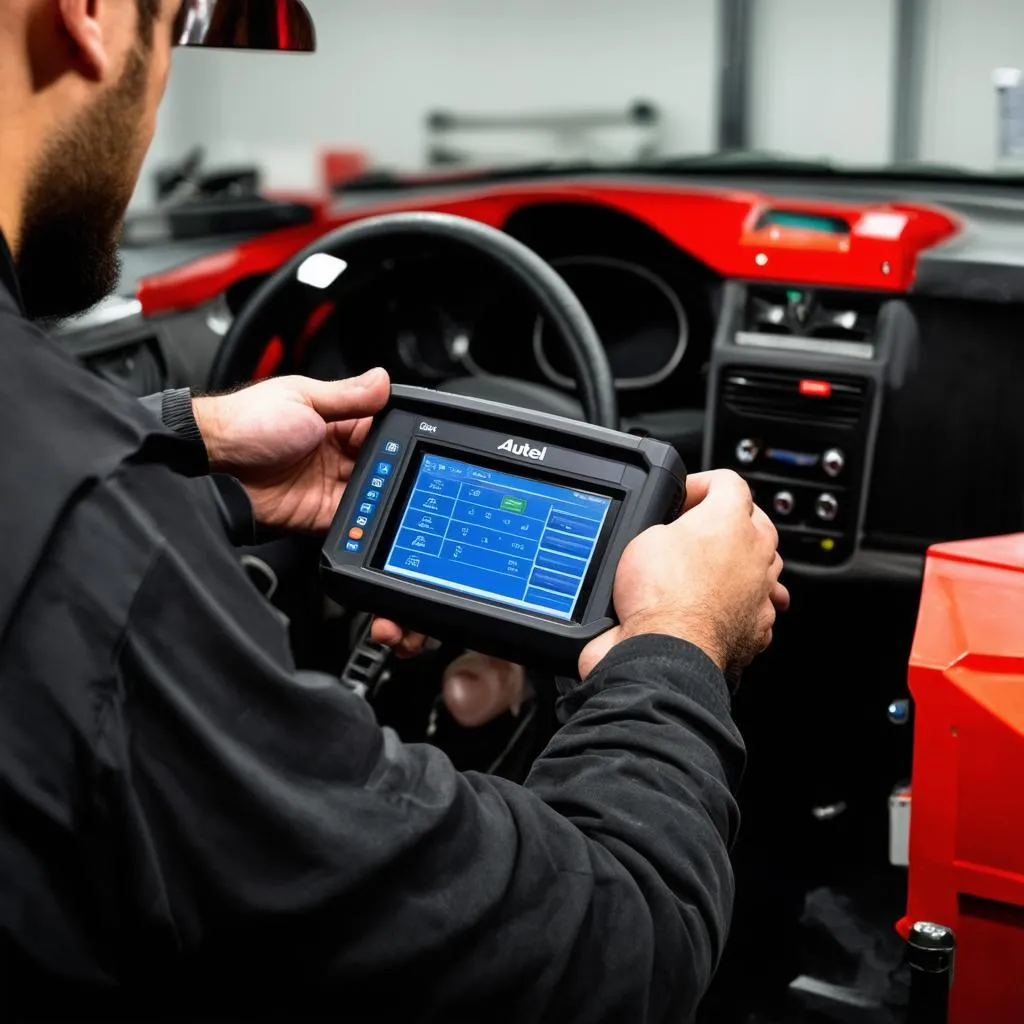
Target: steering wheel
[245, 341]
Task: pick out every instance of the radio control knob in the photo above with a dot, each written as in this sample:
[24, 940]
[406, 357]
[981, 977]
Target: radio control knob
[833, 462]
[747, 451]
[826, 507]
[784, 503]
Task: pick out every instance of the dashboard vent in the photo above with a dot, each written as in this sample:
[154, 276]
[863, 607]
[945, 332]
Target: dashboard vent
[793, 398]
[795, 312]
[768, 313]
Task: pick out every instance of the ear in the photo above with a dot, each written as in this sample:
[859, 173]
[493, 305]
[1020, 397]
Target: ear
[81, 21]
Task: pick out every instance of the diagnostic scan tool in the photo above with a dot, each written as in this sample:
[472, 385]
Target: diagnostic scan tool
[495, 527]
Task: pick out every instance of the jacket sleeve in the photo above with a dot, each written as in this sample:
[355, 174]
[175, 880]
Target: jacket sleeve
[174, 409]
[306, 858]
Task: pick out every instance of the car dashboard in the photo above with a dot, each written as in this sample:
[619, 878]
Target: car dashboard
[854, 353]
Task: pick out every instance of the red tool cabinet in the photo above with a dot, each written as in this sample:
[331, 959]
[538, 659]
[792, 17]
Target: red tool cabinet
[967, 817]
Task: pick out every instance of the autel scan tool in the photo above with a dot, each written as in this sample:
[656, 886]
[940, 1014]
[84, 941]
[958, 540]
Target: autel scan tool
[495, 527]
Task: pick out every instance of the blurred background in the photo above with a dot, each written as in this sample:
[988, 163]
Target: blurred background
[870, 82]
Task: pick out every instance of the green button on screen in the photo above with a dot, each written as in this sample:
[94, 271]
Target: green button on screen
[511, 504]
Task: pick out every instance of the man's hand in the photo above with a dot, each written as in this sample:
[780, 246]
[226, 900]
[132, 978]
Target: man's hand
[292, 442]
[711, 577]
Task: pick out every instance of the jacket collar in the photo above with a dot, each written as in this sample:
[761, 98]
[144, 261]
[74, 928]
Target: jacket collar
[9, 275]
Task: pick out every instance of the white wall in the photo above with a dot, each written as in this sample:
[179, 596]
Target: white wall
[383, 64]
[822, 78]
[967, 39]
[166, 148]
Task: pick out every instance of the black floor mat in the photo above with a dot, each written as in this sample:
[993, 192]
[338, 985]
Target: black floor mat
[850, 962]
[851, 949]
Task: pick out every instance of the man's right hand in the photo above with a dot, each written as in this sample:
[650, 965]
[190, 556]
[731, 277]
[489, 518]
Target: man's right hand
[711, 577]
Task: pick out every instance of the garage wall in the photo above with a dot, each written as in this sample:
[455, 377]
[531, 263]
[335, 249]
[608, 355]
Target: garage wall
[965, 42]
[382, 65]
[822, 78]
[165, 148]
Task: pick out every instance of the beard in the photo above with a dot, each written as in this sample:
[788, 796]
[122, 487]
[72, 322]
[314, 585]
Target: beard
[76, 203]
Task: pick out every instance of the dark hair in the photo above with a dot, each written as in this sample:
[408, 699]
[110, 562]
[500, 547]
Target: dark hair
[148, 10]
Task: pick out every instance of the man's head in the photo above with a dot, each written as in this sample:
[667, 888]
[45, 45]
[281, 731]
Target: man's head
[80, 84]
[91, 76]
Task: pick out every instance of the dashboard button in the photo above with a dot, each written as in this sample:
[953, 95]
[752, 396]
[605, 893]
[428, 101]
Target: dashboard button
[784, 503]
[355, 533]
[392, 447]
[833, 462]
[826, 507]
[383, 469]
[353, 546]
[747, 451]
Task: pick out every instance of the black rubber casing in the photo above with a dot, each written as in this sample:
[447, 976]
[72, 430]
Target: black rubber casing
[645, 479]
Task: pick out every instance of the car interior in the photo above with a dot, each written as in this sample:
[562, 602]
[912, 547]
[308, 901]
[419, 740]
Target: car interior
[847, 340]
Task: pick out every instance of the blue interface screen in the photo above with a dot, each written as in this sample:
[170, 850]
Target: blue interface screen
[520, 542]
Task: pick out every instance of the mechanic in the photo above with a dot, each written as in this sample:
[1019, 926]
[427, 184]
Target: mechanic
[192, 828]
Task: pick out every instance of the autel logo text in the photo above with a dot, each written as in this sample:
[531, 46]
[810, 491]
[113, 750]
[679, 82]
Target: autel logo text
[537, 454]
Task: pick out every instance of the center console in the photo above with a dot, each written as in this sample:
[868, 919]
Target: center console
[795, 389]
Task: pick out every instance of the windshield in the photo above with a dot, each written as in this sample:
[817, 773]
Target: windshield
[404, 88]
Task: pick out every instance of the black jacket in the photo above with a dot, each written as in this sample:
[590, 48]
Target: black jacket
[190, 827]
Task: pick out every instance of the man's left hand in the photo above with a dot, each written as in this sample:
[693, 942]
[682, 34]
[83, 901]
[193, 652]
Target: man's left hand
[292, 442]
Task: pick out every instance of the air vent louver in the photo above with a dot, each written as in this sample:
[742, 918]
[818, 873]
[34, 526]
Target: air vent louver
[775, 395]
[831, 316]
[768, 312]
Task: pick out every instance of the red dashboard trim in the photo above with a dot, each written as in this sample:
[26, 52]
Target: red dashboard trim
[719, 227]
